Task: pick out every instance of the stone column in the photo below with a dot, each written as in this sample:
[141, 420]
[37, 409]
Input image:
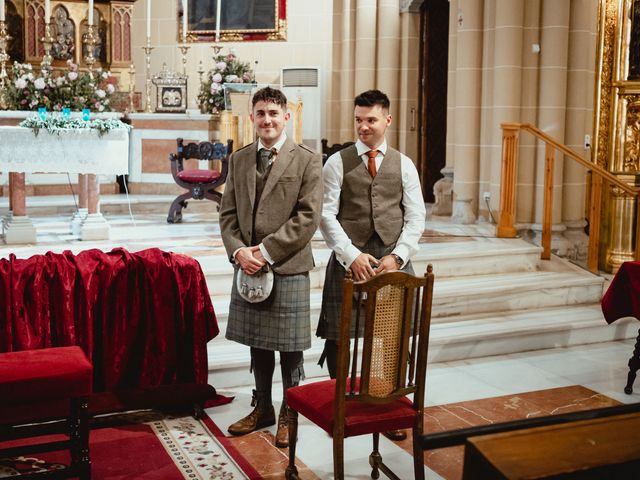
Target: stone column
[82, 212]
[18, 227]
[468, 100]
[387, 61]
[94, 226]
[554, 49]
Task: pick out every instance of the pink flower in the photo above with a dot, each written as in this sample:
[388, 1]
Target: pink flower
[221, 66]
[216, 78]
[39, 83]
[21, 83]
[72, 75]
[110, 88]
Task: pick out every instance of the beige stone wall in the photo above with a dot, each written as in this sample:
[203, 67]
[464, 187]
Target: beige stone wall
[308, 44]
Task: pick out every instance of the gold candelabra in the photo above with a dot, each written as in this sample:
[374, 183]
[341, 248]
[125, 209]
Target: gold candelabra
[216, 50]
[4, 58]
[184, 48]
[147, 55]
[47, 42]
[90, 42]
[132, 86]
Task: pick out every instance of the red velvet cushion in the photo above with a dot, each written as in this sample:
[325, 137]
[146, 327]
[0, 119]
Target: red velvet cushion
[198, 176]
[315, 401]
[44, 374]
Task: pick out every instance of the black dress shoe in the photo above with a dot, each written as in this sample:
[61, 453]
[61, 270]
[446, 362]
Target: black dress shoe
[395, 435]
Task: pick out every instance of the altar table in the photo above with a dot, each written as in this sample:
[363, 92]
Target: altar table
[143, 319]
[81, 151]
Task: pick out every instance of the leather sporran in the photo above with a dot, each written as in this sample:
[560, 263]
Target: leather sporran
[255, 288]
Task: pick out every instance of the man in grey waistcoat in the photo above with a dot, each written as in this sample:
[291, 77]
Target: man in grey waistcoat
[269, 213]
[373, 214]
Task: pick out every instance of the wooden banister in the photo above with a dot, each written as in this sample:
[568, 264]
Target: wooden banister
[506, 229]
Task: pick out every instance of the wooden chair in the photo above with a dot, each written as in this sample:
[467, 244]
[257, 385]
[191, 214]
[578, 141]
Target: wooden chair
[387, 363]
[34, 380]
[327, 150]
[200, 183]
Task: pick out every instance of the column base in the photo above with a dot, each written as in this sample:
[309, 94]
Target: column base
[443, 191]
[578, 240]
[94, 227]
[462, 211]
[77, 218]
[19, 229]
[560, 245]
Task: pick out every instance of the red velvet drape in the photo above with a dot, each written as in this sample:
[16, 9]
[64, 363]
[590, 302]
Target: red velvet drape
[622, 298]
[143, 319]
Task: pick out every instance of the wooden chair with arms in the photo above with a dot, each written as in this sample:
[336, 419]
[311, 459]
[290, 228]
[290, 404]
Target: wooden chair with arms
[387, 363]
[200, 183]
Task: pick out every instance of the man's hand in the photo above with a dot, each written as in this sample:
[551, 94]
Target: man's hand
[387, 264]
[249, 261]
[362, 266]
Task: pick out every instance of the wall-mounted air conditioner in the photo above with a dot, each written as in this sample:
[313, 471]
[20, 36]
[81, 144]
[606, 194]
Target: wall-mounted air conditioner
[303, 83]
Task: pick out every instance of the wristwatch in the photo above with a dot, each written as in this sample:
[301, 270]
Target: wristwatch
[399, 261]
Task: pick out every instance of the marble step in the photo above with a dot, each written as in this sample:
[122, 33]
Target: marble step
[455, 297]
[469, 338]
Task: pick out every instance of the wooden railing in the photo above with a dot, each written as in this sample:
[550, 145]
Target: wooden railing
[506, 229]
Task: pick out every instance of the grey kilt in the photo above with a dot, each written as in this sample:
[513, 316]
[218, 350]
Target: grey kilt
[329, 323]
[281, 322]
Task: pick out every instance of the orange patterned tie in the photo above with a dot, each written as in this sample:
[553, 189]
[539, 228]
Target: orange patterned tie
[371, 166]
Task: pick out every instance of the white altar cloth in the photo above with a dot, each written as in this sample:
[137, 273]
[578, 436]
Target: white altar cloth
[70, 151]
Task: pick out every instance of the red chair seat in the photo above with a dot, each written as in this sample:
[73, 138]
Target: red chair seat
[46, 374]
[198, 176]
[315, 401]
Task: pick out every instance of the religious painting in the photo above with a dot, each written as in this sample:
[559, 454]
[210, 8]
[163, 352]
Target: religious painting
[240, 20]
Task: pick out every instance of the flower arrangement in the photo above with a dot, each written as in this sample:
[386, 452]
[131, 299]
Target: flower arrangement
[56, 123]
[72, 89]
[227, 69]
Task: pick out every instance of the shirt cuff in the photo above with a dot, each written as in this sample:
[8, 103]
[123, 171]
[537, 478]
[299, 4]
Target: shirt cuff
[349, 256]
[265, 254]
[234, 254]
[402, 252]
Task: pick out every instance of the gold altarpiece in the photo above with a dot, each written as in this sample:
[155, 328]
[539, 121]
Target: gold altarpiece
[617, 126]
[112, 20]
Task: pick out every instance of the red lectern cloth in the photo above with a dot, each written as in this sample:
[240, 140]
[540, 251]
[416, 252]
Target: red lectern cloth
[622, 298]
[143, 319]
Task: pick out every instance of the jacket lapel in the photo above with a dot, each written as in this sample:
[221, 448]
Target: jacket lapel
[250, 172]
[284, 158]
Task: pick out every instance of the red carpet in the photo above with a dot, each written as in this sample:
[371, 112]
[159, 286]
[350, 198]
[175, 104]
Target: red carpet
[145, 445]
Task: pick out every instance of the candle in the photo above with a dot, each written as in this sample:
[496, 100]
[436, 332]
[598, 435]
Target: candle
[1, 10]
[148, 18]
[185, 21]
[90, 16]
[218, 3]
[47, 11]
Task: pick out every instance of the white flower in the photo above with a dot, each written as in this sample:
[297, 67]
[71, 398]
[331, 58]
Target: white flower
[217, 78]
[100, 93]
[30, 76]
[105, 75]
[72, 75]
[110, 88]
[230, 78]
[21, 83]
[101, 108]
[59, 81]
[39, 83]
[221, 66]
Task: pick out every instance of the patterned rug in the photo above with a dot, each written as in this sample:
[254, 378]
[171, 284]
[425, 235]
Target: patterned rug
[148, 445]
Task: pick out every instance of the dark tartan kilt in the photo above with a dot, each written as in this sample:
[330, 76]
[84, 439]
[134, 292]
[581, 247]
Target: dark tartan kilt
[329, 323]
[280, 323]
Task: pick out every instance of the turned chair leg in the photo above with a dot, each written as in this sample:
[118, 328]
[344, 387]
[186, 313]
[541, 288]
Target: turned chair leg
[418, 455]
[338, 457]
[634, 366]
[291, 472]
[375, 459]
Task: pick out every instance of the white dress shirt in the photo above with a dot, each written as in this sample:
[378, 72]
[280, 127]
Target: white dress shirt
[412, 202]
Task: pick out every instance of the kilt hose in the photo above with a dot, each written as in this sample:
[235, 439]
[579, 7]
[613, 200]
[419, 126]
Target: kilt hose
[329, 323]
[281, 322]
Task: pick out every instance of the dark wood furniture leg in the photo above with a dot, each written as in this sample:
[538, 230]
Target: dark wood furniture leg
[634, 366]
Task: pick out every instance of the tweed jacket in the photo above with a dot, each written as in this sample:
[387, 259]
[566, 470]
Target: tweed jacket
[288, 212]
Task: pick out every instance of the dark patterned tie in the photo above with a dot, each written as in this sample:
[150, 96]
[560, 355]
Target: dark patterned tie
[265, 157]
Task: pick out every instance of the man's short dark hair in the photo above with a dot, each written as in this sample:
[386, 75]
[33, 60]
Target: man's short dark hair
[268, 94]
[371, 98]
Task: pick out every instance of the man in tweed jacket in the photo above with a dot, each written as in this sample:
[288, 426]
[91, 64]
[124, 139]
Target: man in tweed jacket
[270, 210]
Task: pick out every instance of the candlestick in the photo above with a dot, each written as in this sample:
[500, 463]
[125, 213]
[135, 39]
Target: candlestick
[218, 10]
[1, 10]
[47, 42]
[132, 85]
[147, 55]
[184, 48]
[148, 20]
[185, 21]
[47, 11]
[90, 42]
[4, 58]
[200, 70]
[90, 14]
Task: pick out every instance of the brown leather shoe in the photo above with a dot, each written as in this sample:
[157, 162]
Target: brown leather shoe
[282, 435]
[258, 418]
[395, 435]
